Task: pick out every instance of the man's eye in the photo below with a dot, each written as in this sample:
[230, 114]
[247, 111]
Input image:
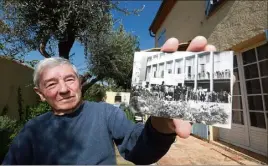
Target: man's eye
[70, 79]
[51, 85]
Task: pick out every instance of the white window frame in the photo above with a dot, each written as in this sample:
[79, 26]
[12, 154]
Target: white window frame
[244, 90]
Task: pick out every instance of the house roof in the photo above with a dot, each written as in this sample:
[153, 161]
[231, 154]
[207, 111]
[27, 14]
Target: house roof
[163, 11]
[16, 61]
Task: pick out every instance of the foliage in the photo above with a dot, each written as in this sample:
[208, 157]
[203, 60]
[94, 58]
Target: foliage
[96, 92]
[52, 27]
[10, 128]
[39, 109]
[51, 23]
[20, 103]
[115, 85]
[129, 114]
[111, 56]
[145, 102]
[30, 113]
[6, 123]
[7, 127]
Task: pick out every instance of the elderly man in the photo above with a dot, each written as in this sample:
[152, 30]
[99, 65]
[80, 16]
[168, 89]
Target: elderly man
[82, 132]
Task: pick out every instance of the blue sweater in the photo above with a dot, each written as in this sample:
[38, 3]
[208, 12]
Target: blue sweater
[87, 137]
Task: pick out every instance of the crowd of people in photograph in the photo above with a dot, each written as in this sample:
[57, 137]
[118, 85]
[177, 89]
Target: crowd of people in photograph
[183, 93]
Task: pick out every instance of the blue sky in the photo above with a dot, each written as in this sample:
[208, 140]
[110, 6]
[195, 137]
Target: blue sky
[138, 25]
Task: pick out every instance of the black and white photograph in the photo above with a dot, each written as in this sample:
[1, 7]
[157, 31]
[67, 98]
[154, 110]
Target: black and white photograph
[193, 86]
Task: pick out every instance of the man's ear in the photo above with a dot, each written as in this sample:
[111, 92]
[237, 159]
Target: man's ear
[40, 94]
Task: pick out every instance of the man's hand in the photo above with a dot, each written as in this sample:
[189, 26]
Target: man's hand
[180, 127]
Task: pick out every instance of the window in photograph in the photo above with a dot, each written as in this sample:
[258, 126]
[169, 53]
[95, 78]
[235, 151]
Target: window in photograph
[148, 71]
[162, 74]
[207, 58]
[169, 67]
[178, 70]
[189, 71]
[161, 70]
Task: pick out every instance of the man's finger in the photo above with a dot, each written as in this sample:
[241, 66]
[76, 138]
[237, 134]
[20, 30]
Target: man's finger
[199, 43]
[210, 48]
[171, 45]
[182, 128]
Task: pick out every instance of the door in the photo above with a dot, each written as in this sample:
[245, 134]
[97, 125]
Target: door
[250, 101]
[238, 134]
[255, 73]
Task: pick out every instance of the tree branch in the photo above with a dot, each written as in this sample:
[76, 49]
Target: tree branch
[84, 78]
[87, 85]
[42, 48]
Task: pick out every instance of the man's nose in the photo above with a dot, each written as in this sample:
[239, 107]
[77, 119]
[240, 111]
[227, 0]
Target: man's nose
[63, 87]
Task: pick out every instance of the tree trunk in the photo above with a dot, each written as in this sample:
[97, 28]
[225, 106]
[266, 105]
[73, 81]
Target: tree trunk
[87, 85]
[66, 45]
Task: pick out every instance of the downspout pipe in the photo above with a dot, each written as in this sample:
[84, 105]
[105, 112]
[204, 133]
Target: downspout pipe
[150, 32]
[266, 35]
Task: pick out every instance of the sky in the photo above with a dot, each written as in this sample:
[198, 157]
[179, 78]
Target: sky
[137, 25]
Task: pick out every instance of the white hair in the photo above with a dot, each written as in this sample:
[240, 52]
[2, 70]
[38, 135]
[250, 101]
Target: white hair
[49, 63]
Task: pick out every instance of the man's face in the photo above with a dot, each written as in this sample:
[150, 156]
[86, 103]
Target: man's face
[60, 87]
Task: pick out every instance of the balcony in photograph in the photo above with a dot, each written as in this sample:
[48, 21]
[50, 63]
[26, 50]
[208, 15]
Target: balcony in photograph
[224, 74]
[222, 66]
[190, 67]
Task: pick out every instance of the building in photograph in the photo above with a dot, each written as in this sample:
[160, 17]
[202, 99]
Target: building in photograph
[240, 26]
[181, 69]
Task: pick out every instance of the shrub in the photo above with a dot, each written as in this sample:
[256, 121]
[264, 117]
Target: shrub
[32, 112]
[95, 93]
[7, 128]
[129, 114]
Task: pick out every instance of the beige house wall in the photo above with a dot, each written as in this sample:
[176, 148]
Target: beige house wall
[110, 97]
[14, 75]
[233, 23]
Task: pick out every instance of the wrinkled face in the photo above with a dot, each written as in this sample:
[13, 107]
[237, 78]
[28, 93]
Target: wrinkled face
[60, 87]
